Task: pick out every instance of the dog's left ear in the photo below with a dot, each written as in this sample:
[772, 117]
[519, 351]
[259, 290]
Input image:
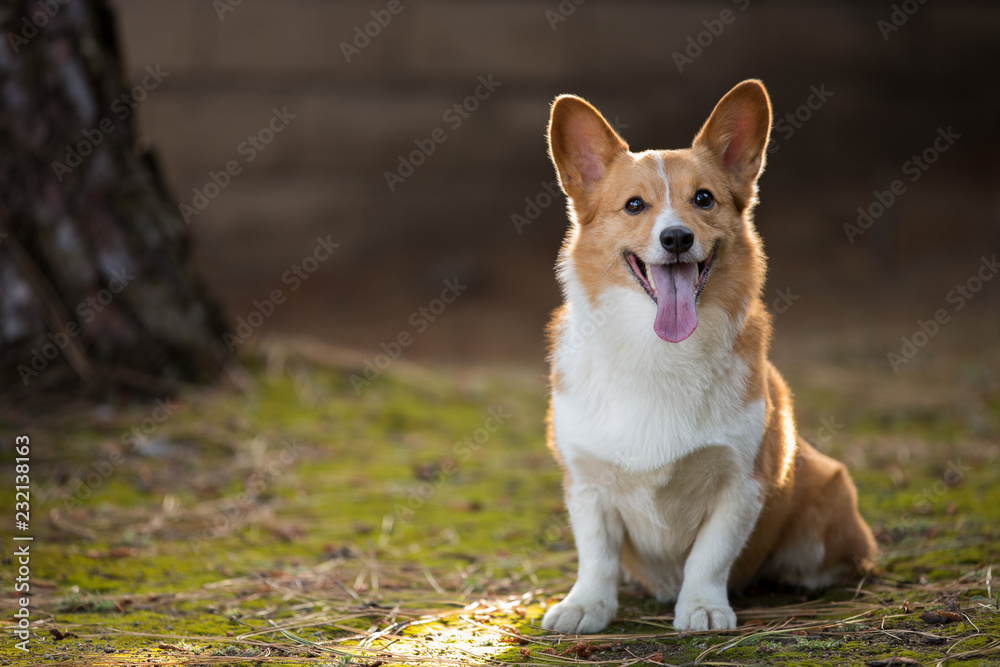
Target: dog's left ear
[737, 131]
[582, 145]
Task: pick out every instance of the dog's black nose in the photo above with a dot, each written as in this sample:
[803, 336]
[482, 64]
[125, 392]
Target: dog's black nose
[677, 239]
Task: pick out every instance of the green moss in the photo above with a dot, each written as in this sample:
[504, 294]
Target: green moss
[207, 536]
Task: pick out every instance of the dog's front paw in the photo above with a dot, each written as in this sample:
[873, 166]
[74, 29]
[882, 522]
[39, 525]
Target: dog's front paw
[571, 618]
[704, 615]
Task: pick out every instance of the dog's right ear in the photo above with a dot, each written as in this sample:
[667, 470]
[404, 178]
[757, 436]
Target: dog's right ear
[737, 132]
[581, 145]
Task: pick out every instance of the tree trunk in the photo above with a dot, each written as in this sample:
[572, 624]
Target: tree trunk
[97, 286]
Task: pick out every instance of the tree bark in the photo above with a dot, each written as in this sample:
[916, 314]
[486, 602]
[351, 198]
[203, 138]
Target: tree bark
[97, 286]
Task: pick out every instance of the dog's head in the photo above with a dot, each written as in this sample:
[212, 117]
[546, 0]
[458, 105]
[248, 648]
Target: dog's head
[663, 222]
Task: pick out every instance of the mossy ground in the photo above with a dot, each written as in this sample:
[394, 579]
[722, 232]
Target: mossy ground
[288, 519]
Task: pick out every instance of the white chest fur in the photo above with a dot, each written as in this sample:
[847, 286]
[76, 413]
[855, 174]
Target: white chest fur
[655, 433]
[641, 403]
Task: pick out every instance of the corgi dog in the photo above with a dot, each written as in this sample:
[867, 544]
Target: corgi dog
[675, 433]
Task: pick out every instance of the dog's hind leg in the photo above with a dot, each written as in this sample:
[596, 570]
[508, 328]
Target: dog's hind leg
[825, 540]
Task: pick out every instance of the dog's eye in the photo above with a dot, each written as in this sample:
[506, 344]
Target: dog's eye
[635, 205]
[704, 199]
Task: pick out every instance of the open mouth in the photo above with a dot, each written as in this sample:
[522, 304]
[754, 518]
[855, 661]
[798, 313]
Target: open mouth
[642, 273]
[675, 288]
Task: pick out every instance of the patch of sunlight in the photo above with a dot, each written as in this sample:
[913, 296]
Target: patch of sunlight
[145, 656]
[479, 631]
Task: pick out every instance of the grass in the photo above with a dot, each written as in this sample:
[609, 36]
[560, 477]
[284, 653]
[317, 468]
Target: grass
[284, 519]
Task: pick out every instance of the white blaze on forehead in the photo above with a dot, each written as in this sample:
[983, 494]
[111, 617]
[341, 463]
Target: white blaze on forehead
[667, 217]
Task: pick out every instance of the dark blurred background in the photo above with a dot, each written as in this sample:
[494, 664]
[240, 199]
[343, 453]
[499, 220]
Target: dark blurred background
[882, 79]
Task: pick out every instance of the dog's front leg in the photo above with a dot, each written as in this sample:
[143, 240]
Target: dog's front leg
[598, 529]
[703, 603]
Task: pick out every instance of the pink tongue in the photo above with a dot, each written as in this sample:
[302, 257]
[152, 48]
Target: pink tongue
[676, 318]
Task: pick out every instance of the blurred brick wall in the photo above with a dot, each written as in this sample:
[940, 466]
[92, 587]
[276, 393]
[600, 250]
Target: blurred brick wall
[325, 171]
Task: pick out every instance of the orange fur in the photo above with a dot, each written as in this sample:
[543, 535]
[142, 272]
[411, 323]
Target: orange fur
[808, 498]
